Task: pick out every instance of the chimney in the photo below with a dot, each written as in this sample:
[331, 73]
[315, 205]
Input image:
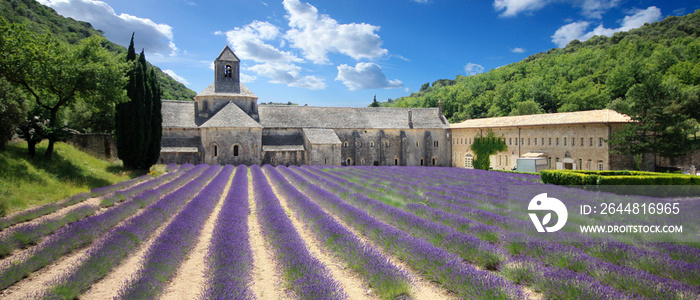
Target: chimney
[410, 119]
[440, 107]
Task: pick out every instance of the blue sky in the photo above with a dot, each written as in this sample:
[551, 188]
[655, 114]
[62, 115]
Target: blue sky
[342, 53]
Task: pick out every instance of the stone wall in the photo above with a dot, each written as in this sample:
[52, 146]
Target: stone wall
[287, 158]
[101, 145]
[683, 162]
[389, 147]
[232, 145]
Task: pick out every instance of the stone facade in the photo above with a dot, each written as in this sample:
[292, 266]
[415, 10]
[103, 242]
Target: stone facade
[577, 140]
[224, 125]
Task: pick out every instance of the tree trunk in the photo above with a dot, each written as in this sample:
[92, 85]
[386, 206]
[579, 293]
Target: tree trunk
[52, 138]
[49, 149]
[31, 148]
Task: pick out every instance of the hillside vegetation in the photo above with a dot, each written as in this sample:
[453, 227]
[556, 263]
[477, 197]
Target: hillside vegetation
[41, 19]
[27, 182]
[586, 75]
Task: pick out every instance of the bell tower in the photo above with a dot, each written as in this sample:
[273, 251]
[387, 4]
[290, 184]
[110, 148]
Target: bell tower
[227, 72]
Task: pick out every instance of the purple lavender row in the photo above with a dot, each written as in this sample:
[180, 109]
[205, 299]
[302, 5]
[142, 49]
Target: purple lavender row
[101, 191]
[171, 167]
[432, 262]
[25, 235]
[67, 239]
[123, 240]
[33, 213]
[302, 273]
[172, 247]
[467, 246]
[122, 195]
[229, 258]
[387, 280]
[573, 258]
[639, 257]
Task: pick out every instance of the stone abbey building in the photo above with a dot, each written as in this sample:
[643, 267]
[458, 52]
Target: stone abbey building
[225, 125]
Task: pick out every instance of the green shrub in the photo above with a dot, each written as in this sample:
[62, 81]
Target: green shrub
[575, 177]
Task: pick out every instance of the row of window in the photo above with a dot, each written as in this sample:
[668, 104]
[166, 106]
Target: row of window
[436, 144]
[363, 162]
[541, 141]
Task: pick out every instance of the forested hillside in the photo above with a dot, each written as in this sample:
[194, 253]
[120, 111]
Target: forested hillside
[42, 19]
[586, 75]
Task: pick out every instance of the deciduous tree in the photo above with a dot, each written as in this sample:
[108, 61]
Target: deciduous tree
[54, 74]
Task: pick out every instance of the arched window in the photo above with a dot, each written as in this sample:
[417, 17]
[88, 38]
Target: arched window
[418, 144]
[362, 162]
[436, 144]
[235, 150]
[421, 162]
[434, 161]
[348, 161]
[371, 143]
[601, 166]
[345, 144]
[396, 161]
[227, 71]
[325, 161]
[215, 150]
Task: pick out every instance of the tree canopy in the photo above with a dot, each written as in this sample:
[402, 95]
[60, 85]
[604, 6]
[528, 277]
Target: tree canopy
[54, 74]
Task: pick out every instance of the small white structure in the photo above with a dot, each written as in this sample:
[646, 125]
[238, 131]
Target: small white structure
[531, 164]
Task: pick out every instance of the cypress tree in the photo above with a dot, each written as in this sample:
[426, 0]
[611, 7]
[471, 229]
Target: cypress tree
[156, 126]
[131, 116]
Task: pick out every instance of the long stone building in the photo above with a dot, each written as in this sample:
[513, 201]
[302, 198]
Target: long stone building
[571, 140]
[225, 125]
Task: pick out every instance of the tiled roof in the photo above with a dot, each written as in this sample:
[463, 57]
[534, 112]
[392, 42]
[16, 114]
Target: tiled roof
[178, 114]
[231, 116]
[568, 118]
[179, 150]
[321, 136]
[273, 116]
[234, 90]
[269, 148]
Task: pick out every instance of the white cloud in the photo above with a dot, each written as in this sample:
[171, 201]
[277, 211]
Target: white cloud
[176, 77]
[511, 8]
[365, 76]
[473, 69]
[595, 8]
[518, 50]
[154, 38]
[317, 35]
[288, 74]
[245, 78]
[577, 30]
[589, 8]
[249, 42]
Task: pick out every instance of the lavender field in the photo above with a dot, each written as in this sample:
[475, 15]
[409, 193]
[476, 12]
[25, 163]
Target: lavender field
[227, 232]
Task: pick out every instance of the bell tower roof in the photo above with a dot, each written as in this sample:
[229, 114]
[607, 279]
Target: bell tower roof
[227, 55]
